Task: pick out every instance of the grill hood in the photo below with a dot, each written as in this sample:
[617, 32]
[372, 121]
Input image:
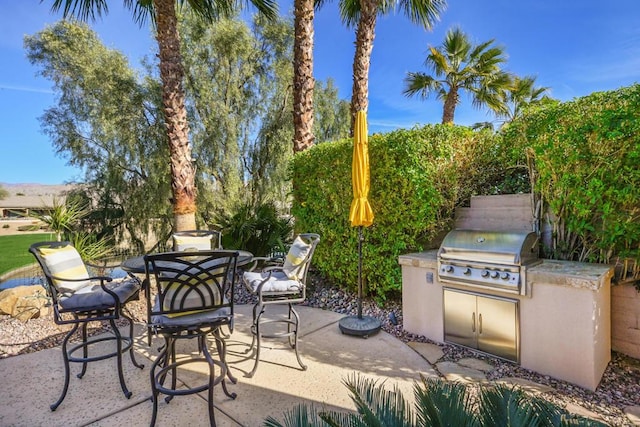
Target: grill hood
[494, 247]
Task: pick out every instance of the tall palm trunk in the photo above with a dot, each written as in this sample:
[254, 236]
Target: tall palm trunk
[450, 106]
[175, 112]
[303, 82]
[362, 59]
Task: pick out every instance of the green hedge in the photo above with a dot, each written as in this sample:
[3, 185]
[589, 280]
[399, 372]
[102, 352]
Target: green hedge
[418, 176]
[586, 158]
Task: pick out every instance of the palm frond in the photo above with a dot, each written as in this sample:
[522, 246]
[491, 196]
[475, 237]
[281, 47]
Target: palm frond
[441, 403]
[420, 84]
[84, 10]
[378, 406]
[423, 12]
[300, 416]
[349, 12]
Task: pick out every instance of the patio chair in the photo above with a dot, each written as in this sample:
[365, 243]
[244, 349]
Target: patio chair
[194, 299]
[196, 240]
[282, 283]
[79, 299]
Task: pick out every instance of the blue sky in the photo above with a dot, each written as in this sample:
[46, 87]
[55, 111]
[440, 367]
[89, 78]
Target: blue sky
[574, 47]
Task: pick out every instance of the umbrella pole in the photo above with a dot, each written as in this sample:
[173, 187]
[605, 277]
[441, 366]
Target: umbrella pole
[360, 272]
[362, 326]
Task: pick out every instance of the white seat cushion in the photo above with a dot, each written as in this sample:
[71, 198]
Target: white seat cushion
[65, 263]
[298, 252]
[278, 282]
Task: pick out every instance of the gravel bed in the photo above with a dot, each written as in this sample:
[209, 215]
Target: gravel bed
[619, 388]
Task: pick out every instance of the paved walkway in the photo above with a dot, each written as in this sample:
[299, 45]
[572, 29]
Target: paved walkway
[33, 381]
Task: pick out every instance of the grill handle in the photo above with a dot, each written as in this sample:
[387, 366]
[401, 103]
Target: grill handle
[480, 323]
[473, 321]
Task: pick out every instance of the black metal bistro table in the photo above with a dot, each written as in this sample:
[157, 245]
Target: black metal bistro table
[136, 265]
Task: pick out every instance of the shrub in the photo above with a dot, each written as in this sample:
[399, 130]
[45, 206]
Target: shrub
[418, 176]
[585, 155]
[257, 229]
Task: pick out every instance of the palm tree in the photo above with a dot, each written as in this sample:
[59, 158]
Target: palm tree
[364, 13]
[523, 92]
[163, 13]
[459, 65]
[303, 81]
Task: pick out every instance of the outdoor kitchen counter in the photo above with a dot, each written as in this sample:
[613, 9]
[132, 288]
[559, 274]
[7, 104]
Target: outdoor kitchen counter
[551, 272]
[564, 320]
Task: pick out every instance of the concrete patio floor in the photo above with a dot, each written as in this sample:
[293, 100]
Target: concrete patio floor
[31, 382]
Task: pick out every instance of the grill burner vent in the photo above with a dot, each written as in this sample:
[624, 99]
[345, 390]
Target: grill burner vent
[488, 259]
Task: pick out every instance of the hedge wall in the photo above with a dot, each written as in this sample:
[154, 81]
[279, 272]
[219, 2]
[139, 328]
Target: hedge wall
[585, 156]
[418, 176]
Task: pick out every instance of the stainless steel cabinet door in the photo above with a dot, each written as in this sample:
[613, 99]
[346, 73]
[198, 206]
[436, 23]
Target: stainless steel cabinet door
[498, 327]
[482, 322]
[460, 321]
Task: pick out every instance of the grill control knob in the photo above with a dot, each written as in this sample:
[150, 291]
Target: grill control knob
[505, 276]
[495, 274]
[449, 269]
[485, 273]
[467, 271]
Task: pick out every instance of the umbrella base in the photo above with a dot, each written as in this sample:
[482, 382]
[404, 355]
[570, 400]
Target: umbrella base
[359, 326]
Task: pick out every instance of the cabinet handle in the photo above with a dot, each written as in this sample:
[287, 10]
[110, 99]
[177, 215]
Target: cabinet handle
[473, 321]
[480, 323]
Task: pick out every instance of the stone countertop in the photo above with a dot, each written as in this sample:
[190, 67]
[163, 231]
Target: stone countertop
[555, 272]
[571, 273]
[427, 259]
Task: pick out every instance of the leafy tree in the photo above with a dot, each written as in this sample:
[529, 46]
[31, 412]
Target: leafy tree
[459, 65]
[238, 85]
[238, 88]
[364, 13]
[164, 16]
[437, 403]
[3, 193]
[332, 114]
[109, 124]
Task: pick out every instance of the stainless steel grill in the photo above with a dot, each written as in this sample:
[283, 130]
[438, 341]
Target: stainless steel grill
[484, 259]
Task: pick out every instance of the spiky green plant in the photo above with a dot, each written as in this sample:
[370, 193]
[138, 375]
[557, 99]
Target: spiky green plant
[63, 216]
[438, 403]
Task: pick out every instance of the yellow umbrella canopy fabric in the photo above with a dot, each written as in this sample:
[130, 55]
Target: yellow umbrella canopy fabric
[360, 213]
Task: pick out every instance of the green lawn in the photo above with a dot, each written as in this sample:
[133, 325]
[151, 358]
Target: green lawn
[14, 250]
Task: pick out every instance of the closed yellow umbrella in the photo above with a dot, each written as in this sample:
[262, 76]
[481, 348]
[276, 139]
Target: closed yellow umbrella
[360, 215]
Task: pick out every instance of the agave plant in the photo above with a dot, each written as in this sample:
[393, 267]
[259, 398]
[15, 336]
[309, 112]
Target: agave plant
[438, 403]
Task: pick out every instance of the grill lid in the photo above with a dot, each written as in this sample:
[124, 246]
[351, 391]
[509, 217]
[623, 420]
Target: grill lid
[495, 247]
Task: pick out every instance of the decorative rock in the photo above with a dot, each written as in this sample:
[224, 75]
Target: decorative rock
[23, 302]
